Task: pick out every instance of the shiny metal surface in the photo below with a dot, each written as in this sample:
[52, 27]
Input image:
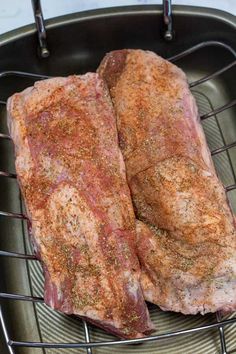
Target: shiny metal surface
[39, 21]
[167, 15]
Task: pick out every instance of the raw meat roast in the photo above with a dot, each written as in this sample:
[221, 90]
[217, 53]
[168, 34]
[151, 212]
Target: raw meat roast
[187, 243]
[72, 176]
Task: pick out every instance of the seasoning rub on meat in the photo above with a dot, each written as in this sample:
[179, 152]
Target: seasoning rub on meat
[187, 246]
[72, 178]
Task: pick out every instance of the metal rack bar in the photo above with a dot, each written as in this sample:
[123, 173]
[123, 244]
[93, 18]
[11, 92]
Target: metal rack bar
[211, 76]
[230, 188]
[18, 255]
[218, 110]
[125, 341]
[5, 332]
[223, 148]
[87, 336]
[13, 215]
[5, 136]
[222, 335]
[7, 174]
[23, 74]
[226, 151]
[21, 297]
[200, 46]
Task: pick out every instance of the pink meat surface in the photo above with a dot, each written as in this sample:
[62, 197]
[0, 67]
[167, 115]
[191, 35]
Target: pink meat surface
[187, 248]
[72, 177]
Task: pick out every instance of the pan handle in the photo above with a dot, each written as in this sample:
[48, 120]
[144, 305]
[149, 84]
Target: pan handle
[167, 16]
[42, 36]
[40, 26]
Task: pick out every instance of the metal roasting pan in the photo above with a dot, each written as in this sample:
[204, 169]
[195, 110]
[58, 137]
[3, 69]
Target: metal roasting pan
[77, 43]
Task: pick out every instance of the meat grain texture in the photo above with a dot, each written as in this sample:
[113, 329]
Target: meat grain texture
[187, 243]
[72, 176]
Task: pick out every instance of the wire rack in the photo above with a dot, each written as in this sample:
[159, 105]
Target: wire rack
[87, 344]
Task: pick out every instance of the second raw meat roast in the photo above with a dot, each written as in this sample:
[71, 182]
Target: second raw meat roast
[187, 246]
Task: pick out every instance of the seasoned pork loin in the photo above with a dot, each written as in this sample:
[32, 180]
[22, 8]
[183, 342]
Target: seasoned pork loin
[72, 178]
[187, 243]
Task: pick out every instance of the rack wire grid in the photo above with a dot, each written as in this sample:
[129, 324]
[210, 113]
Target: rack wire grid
[87, 344]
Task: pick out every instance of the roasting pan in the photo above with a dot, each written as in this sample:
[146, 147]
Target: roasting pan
[207, 40]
